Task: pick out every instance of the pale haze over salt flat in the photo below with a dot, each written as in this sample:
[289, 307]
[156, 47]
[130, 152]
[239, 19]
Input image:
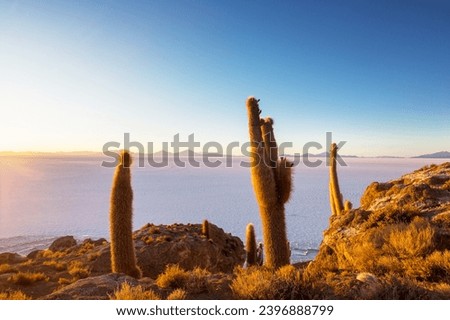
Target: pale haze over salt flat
[43, 197]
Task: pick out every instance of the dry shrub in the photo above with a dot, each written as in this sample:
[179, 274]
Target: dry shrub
[64, 281]
[438, 264]
[14, 295]
[58, 266]
[127, 292]
[173, 276]
[195, 281]
[442, 219]
[411, 240]
[400, 288]
[163, 238]
[6, 268]
[86, 247]
[93, 256]
[361, 256]
[177, 294]
[78, 270]
[53, 255]
[27, 278]
[260, 283]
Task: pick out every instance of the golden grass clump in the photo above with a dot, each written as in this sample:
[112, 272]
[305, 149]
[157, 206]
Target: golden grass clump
[78, 270]
[411, 240]
[260, 283]
[14, 295]
[49, 254]
[177, 294]
[6, 268]
[58, 266]
[128, 292]
[86, 247]
[27, 278]
[194, 281]
[401, 249]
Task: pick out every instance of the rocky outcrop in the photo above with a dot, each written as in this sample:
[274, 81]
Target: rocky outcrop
[185, 245]
[83, 270]
[402, 228]
[63, 243]
[11, 258]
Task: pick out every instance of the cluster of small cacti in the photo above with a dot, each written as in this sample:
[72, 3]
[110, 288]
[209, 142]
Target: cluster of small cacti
[336, 198]
[272, 183]
[123, 256]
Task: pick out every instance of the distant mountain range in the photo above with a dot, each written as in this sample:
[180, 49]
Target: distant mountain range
[436, 155]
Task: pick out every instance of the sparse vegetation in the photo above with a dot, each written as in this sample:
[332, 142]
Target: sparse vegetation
[53, 254]
[177, 294]
[58, 266]
[195, 281]
[6, 268]
[78, 270]
[14, 295]
[27, 278]
[128, 292]
[262, 283]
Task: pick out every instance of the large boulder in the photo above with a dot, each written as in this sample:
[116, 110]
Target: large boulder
[160, 245]
[11, 258]
[63, 243]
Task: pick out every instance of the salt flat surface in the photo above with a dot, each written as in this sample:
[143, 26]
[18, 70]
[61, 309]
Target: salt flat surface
[45, 197]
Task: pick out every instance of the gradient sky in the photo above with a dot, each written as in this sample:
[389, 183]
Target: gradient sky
[76, 74]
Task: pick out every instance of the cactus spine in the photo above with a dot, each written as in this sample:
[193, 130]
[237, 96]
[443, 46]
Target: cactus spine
[205, 228]
[272, 183]
[335, 194]
[250, 245]
[123, 257]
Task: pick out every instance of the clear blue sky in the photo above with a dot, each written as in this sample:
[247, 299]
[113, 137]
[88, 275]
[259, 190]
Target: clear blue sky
[76, 74]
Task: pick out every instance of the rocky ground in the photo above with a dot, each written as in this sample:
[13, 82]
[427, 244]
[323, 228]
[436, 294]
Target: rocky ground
[400, 233]
[396, 245]
[72, 270]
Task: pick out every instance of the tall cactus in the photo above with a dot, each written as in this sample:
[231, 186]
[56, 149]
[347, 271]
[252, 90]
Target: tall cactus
[250, 245]
[205, 229]
[123, 257]
[335, 193]
[272, 183]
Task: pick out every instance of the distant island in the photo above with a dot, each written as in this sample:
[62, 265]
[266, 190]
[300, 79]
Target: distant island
[436, 155]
